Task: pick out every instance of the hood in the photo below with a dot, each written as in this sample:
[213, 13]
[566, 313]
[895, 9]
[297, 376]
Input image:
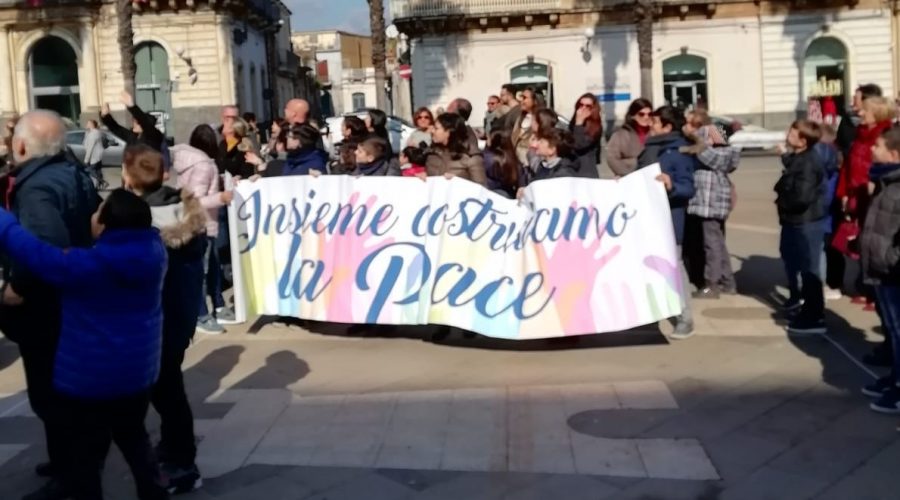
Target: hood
[886, 172]
[136, 256]
[178, 215]
[304, 157]
[667, 141]
[184, 157]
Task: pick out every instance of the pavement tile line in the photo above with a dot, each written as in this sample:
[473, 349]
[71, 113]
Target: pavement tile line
[849, 356]
[510, 429]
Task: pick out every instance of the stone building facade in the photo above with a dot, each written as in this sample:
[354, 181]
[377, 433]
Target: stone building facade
[192, 58]
[755, 60]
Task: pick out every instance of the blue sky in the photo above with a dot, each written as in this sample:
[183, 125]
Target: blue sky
[346, 15]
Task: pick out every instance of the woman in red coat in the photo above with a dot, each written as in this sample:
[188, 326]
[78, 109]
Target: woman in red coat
[853, 185]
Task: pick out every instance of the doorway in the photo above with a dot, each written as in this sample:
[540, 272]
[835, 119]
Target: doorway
[685, 83]
[153, 87]
[53, 77]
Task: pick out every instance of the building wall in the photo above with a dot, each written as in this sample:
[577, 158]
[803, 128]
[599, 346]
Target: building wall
[350, 87]
[249, 61]
[753, 66]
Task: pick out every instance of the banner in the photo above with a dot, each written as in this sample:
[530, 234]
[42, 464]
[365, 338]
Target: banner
[574, 256]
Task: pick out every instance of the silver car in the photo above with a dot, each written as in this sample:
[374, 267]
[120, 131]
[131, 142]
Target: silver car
[112, 155]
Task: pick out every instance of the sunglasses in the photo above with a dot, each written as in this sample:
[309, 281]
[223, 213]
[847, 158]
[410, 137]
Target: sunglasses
[643, 114]
[423, 117]
[585, 105]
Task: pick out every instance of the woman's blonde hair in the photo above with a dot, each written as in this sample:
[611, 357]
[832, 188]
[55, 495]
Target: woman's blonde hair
[241, 128]
[882, 109]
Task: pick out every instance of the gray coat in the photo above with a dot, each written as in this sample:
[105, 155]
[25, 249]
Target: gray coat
[93, 147]
[880, 250]
[622, 151]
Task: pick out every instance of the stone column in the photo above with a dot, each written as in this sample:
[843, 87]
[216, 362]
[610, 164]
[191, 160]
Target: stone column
[87, 76]
[7, 70]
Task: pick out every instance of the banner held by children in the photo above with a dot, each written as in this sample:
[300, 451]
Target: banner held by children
[574, 256]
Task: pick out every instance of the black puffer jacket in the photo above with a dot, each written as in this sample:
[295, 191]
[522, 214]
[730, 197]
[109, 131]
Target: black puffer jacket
[801, 189]
[881, 235]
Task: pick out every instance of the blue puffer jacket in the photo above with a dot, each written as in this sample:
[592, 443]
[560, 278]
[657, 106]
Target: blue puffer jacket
[111, 296]
[828, 153]
[665, 149]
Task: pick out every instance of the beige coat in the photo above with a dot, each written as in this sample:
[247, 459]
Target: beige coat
[467, 166]
[622, 151]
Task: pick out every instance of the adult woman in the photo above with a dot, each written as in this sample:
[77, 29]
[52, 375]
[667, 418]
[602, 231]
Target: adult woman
[501, 165]
[853, 183]
[544, 120]
[424, 124]
[449, 154]
[235, 145]
[627, 143]
[586, 127]
[523, 131]
[271, 147]
[354, 129]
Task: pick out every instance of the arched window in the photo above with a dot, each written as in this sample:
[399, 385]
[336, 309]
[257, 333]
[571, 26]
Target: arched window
[825, 69]
[153, 88]
[535, 75]
[53, 77]
[684, 81]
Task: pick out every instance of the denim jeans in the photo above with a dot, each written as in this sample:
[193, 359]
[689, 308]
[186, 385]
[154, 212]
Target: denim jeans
[888, 300]
[801, 252]
[212, 285]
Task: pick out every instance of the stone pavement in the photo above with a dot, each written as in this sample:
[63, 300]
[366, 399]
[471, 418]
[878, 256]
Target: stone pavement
[740, 411]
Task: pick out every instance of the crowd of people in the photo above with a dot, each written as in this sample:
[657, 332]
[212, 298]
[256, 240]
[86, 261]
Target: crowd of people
[103, 296]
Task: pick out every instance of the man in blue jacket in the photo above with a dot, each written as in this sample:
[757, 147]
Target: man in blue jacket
[53, 197]
[666, 137]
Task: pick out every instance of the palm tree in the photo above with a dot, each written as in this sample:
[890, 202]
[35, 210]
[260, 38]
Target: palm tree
[643, 18]
[124, 12]
[379, 51]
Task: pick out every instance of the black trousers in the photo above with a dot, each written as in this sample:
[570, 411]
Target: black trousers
[87, 427]
[37, 359]
[177, 445]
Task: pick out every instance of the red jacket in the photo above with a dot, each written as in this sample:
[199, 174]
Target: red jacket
[854, 178]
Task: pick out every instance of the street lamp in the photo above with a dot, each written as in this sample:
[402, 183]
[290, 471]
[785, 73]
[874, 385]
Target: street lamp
[586, 49]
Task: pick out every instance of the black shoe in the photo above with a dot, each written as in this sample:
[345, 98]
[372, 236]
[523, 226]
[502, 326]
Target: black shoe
[706, 293]
[803, 326]
[181, 479]
[51, 490]
[44, 469]
[878, 388]
[792, 304]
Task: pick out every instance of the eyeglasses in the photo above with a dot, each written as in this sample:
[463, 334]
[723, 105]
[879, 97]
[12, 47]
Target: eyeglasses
[423, 117]
[643, 114]
[228, 117]
[585, 105]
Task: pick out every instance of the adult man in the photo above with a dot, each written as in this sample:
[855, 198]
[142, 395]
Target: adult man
[492, 103]
[93, 152]
[666, 137]
[463, 108]
[509, 111]
[296, 112]
[53, 198]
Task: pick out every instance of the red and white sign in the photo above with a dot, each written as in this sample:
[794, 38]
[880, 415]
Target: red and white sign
[405, 71]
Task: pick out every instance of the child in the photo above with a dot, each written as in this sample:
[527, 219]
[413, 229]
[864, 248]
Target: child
[801, 210]
[412, 162]
[108, 354]
[181, 220]
[555, 147]
[880, 255]
[832, 264]
[372, 157]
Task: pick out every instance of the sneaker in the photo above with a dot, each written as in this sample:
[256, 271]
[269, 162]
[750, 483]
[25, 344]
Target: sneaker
[801, 326]
[683, 330]
[44, 469]
[889, 402]
[792, 304]
[181, 480]
[869, 307]
[858, 300]
[728, 290]
[51, 490]
[879, 387]
[225, 316]
[879, 356]
[706, 293]
[210, 326]
[833, 294]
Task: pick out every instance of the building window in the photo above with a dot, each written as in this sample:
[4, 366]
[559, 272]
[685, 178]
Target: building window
[152, 85]
[254, 92]
[534, 75]
[53, 75]
[684, 81]
[359, 101]
[825, 69]
[239, 87]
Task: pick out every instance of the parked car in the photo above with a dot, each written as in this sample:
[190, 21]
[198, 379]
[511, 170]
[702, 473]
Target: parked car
[112, 155]
[727, 125]
[398, 129]
[756, 137]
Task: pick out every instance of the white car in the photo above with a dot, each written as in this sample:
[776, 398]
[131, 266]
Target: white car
[398, 129]
[756, 137]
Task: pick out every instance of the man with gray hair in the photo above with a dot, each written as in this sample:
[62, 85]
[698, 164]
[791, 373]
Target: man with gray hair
[53, 197]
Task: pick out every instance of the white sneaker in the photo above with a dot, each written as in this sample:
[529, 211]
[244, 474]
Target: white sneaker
[225, 316]
[833, 294]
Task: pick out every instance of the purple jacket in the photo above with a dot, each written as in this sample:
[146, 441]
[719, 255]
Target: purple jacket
[198, 174]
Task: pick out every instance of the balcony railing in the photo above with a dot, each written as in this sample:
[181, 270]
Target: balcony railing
[438, 8]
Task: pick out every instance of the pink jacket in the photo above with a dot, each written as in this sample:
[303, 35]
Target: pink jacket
[198, 174]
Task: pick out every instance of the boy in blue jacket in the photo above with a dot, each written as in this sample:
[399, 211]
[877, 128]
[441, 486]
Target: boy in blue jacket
[107, 359]
[664, 147]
